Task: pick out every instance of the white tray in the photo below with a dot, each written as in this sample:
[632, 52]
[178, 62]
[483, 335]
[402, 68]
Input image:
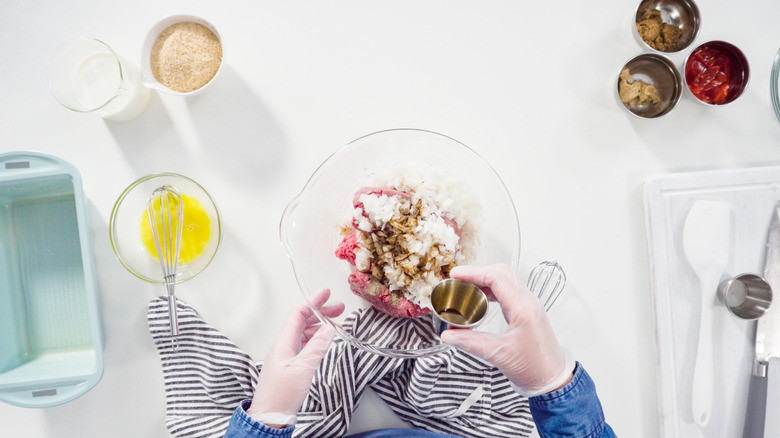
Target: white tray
[676, 296]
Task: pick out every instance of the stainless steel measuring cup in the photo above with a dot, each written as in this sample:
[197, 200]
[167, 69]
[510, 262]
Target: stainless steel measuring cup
[748, 296]
[459, 303]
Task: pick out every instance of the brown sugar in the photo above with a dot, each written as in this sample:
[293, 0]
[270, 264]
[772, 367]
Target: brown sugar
[657, 34]
[186, 56]
[634, 92]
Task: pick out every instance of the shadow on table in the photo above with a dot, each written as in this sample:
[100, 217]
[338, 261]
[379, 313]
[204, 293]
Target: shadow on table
[123, 299]
[235, 135]
[232, 292]
[149, 142]
[240, 137]
[676, 138]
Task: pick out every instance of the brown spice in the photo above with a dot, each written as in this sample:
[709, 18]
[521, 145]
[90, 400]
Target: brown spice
[657, 34]
[186, 56]
[634, 92]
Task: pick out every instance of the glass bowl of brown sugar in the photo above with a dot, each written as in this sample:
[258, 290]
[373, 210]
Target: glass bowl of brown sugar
[666, 26]
[181, 55]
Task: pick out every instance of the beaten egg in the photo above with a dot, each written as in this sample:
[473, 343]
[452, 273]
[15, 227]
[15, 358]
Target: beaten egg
[196, 229]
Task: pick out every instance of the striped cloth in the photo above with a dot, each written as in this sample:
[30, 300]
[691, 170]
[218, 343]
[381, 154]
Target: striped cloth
[449, 392]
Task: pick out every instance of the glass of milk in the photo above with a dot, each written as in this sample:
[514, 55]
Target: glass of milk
[87, 76]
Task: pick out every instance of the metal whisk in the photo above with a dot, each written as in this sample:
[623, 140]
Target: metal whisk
[165, 204]
[547, 280]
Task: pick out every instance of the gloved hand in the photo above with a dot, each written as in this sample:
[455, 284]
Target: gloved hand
[528, 353]
[288, 368]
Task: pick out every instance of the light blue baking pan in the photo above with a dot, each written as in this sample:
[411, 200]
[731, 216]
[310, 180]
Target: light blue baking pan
[51, 340]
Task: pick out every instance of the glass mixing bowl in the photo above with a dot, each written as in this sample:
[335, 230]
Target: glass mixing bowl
[312, 222]
[773, 84]
[125, 228]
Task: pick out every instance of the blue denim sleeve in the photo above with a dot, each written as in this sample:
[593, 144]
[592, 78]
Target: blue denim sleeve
[401, 433]
[573, 410]
[243, 426]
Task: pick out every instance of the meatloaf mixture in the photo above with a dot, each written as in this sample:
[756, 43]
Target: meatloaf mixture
[399, 246]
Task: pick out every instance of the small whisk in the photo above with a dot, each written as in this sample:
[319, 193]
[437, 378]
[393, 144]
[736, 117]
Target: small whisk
[546, 281]
[165, 205]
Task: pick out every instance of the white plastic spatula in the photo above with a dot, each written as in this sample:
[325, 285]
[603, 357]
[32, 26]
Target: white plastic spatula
[707, 243]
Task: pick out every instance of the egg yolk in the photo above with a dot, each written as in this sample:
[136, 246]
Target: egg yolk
[195, 234]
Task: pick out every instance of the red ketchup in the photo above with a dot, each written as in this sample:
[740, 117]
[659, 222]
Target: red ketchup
[708, 73]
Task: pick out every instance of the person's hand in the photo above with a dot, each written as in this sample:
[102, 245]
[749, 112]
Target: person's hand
[289, 366]
[528, 353]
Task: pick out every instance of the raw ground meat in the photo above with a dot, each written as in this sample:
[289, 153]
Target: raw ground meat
[364, 285]
[394, 303]
[347, 247]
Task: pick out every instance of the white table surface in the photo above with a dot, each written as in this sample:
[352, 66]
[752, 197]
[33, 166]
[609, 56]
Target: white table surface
[528, 85]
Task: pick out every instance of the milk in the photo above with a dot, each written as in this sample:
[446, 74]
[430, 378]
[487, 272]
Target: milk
[112, 89]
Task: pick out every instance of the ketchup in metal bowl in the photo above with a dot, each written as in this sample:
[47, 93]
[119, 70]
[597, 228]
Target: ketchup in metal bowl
[716, 72]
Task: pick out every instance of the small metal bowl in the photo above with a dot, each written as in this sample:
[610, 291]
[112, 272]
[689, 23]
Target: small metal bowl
[748, 296]
[459, 303]
[660, 72]
[740, 70]
[684, 14]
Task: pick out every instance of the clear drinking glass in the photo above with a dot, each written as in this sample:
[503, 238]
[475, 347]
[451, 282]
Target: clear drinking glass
[87, 76]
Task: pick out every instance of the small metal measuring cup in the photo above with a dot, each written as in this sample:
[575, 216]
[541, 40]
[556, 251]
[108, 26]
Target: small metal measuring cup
[747, 296]
[459, 303]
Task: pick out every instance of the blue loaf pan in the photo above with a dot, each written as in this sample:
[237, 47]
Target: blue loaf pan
[51, 339]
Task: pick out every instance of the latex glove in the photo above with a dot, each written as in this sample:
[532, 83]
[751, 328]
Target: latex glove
[289, 366]
[528, 353]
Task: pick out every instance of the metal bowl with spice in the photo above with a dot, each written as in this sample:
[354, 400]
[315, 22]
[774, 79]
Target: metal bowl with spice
[667, 25]
[649, 85]
[182, 55]
[716, 73]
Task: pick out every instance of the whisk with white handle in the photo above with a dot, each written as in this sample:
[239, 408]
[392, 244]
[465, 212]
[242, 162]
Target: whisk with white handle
[165, 211]
[546, 281]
